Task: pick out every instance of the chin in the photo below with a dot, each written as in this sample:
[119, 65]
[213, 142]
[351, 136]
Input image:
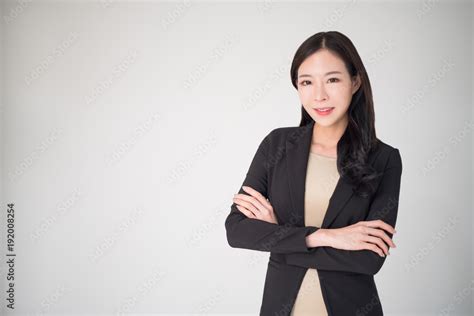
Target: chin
[323, 122]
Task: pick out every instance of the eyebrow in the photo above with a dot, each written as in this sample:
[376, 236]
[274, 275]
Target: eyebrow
[326, 74]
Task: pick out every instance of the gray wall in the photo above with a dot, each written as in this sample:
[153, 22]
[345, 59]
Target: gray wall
[127, 127]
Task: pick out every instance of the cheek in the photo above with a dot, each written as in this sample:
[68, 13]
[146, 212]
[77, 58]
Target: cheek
[305, 95]
[340, 90]
[341, 94]
[305, 99]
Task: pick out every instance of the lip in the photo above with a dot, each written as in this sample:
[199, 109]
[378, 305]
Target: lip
[324, 113]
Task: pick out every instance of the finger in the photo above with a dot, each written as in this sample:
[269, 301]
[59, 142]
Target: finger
[245, 211]
[381, 224]
[256, 203]
[374, 248]
[257, 195]
[378, 242]
[248, 205]
[242, 204]
[381, 233]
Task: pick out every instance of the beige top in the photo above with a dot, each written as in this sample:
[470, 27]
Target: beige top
[321, 180]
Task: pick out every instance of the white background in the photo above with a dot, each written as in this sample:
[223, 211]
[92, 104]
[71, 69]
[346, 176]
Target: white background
[127, 127]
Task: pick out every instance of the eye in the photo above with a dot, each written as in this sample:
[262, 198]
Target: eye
[303, 82]
[335, 79]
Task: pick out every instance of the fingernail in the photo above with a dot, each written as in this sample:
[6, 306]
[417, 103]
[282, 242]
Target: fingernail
[382, 255]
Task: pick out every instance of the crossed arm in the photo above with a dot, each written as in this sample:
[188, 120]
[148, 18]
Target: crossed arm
[255, 234]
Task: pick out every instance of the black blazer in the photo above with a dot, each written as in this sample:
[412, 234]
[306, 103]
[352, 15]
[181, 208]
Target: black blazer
[278, 171]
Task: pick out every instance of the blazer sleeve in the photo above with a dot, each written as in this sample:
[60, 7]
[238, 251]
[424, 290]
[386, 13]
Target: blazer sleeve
[254, 234]
[384, 206]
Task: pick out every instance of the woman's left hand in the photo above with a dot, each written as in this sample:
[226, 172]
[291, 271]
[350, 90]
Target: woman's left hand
[255, 205]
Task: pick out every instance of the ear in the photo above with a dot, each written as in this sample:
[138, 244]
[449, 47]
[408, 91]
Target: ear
[356, 82]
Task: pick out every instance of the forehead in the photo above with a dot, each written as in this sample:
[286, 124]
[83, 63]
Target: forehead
[320, 63]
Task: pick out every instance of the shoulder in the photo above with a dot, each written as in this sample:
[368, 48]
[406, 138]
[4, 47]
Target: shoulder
[277, 138]
[283, 131]
[286, 133]
[387, 155]
[383, 155]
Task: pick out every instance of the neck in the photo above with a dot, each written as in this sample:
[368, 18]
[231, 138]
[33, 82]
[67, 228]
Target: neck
[328, 136]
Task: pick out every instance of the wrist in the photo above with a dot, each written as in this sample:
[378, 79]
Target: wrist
[319, 238]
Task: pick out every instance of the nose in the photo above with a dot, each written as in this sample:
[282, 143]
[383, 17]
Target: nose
[319, 92]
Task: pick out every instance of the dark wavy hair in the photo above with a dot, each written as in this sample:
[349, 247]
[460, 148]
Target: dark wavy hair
[359, 138]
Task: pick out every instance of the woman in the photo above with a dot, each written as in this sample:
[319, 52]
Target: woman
[322, 198]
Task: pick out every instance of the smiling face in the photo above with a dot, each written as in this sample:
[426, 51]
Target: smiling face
[324, 82]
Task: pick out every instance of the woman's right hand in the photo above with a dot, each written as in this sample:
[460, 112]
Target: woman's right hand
[368, 235]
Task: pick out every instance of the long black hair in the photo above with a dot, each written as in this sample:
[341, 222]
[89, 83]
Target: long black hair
[359, 137]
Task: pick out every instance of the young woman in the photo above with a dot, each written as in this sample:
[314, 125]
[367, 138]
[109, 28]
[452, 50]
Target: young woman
[322, 198]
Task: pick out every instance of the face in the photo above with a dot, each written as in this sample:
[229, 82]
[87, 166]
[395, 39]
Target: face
[324, 82]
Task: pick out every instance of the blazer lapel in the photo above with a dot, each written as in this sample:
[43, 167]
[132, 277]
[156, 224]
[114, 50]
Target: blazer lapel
[298, 146]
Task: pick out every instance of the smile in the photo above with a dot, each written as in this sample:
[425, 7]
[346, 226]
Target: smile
[324, 111]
